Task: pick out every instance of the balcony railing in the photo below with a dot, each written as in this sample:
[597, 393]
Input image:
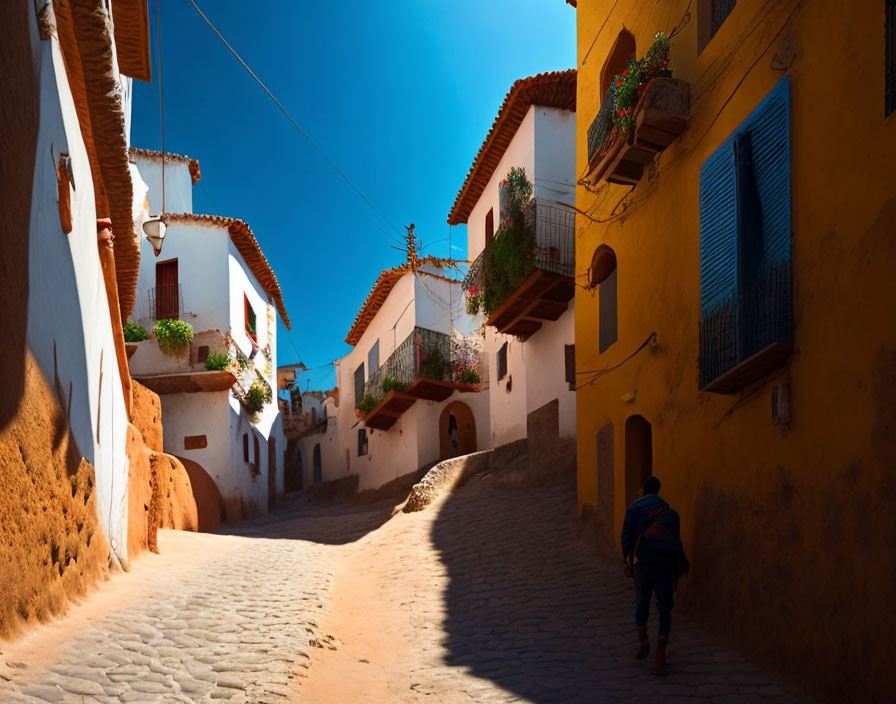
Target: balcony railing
[533, 283]
[426, 365]
[166, 302]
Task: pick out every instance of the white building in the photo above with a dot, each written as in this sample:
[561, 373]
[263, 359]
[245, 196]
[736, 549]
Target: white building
[529, 343]
[212, 274]
[65, 180]
[415, 361]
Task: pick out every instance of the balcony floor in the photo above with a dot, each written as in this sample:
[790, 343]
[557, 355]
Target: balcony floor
[389, 410]
[543, 296]
[188, 382]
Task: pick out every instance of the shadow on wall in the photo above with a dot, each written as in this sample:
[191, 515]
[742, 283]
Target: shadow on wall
[209, 504]
[520, 588]
[19, 108]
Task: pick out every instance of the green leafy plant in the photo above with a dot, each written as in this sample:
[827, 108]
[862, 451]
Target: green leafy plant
[433, 364]
[367, 404]
[390, 383]
[173, 336]
[217, 361]
[256, 397]
[468, 376]
[628, 85]
[135, 333]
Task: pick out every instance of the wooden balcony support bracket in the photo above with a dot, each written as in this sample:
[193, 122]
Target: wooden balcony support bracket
[660, 117]
[389, 410]
[544, 295]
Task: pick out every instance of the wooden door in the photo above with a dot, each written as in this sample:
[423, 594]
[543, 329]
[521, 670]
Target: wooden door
[167, 290]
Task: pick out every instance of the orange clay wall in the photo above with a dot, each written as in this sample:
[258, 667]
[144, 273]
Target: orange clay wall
[789, 529]
[159, 490]
[52, 546]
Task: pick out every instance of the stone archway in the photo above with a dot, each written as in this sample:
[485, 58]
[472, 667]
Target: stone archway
[457, 431]
[209, 504]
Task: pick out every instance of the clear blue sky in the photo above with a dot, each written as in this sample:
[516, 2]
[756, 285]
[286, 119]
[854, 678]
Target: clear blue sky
[400, 95]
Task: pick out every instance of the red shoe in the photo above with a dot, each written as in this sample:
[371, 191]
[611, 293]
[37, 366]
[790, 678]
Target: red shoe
[644, 650]
[659, 660]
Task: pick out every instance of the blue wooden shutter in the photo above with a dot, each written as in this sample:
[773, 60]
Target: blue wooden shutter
[766, 303]
[718, 264]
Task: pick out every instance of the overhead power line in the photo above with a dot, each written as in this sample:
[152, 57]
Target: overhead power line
[293, 120]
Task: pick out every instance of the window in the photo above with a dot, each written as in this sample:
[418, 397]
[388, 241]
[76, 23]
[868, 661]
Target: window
[257, 456]
[359, 383]
[167, 291]
[570, 363]
[503, 202]
[489, 226]
[603, 275]
[362, 442]
[502, 361]
[251, 329]
[711, 14]
[373, 357]
[890, 99]
[245, 447]
[313, 416]
[746, 303]
[621, 53]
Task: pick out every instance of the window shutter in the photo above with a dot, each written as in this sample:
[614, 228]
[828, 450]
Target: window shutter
[718, 264]
[373, 357]
[359, 383]
[570, 359]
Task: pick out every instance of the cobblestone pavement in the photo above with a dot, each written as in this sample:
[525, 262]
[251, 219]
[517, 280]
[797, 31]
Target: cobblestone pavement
[490, 593]
[231, 619]
[502, 603]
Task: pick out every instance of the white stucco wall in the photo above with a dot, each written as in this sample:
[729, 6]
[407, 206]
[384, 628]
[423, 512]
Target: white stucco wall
[178, 185]
[69, 327]
[545, 365]
[555, 155]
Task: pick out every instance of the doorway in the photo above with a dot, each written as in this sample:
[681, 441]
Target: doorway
[167, 291]
[457, 431]
[638, 455]
[272, 472]
[318, 470]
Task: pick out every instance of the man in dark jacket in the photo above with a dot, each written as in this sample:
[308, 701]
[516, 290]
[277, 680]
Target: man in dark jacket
[650, 546]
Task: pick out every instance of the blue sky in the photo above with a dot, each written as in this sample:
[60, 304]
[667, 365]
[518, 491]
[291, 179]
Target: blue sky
[399, 94]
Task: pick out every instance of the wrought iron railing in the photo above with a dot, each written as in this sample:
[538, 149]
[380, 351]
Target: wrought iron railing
[425, 354]
[602, 124]
[166, 302]
[554, 228]
[760, 316]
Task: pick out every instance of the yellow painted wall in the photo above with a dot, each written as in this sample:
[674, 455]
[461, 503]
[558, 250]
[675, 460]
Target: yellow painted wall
[791, 532]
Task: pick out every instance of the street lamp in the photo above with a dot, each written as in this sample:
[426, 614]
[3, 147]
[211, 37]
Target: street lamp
[154, 229]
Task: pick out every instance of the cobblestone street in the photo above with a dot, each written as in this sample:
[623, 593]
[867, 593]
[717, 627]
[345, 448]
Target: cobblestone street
[485, 596]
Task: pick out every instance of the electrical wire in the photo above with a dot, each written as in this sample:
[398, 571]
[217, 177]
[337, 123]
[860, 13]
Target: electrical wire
[597, 374]
[594, 41]
[291, 118]
[161, 99]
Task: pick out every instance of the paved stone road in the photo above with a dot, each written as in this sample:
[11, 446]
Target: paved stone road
[494, 597]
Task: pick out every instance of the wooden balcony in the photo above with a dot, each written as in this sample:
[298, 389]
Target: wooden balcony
[544, 295]
[660, 116]
[389, 410]
[752, 369]
[188, 382]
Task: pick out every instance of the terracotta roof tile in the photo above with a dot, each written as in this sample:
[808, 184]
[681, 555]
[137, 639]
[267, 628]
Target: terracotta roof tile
[556, 89]
[244, 239]
[137, 153]
[380, 292]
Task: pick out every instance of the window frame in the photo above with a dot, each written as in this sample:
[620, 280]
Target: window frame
[250, 318]
[363, 442]
[501, 364]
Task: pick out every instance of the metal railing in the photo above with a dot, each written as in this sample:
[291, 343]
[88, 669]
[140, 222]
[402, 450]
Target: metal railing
[166, 301]
[554, 228]
[739, 328]
[603, 122]
[424, 354]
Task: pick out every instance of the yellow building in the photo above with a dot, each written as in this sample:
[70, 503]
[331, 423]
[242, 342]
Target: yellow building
[735, 320]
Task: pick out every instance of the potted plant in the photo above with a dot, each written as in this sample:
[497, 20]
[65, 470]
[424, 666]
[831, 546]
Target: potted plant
[218, 362]
[173, 336]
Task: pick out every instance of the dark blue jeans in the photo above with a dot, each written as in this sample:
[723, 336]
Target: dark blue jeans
[654, 577]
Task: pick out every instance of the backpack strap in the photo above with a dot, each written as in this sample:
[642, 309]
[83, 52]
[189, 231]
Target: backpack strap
[634, 551]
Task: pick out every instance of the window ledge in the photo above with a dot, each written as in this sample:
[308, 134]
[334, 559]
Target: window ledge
[751, 370]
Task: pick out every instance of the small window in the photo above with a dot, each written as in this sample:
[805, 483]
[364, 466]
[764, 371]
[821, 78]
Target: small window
[570, 360]
[489, 226]
[373, 357]
[502, 361]
[359, 383]
[313, 416]
[245, 447]
[711, 14]
[251, 329]
[362, 442]
[890, 58]
[603, 275]
[257, 454]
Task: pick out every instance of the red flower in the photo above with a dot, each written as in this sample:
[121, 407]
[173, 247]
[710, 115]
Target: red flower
[618, 83]
[625, 73]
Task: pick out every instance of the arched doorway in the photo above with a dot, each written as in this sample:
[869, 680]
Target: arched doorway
[457, 431]
[318, 470]
[209, 504]
[638, 455]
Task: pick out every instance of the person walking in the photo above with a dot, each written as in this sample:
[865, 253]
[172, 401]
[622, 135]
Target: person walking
[654, 556]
